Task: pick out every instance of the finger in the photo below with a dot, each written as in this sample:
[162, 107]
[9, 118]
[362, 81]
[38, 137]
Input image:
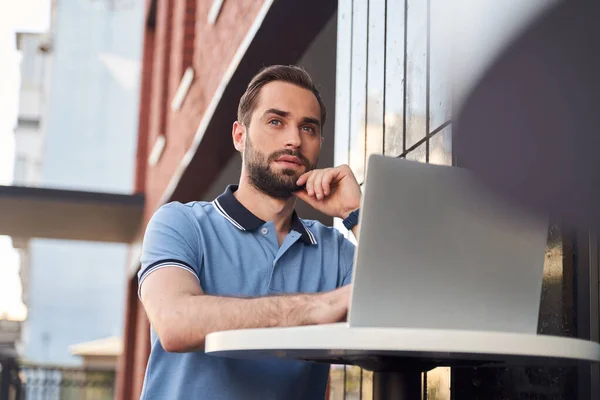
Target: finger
[326, 182]
[310, 183]
[318, 184]
[303, 178]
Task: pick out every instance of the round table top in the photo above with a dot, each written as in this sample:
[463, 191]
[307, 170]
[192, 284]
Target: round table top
[341, 344]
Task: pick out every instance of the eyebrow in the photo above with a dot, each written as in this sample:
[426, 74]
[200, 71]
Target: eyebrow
[277, 112]
[284, 114]
[310, 120]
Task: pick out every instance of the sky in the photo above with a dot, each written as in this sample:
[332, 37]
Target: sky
[21, 15]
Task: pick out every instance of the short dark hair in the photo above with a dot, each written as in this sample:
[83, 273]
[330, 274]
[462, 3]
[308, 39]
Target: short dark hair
[285, 73]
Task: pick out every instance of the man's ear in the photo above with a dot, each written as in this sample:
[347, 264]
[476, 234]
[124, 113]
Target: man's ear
[239, 136]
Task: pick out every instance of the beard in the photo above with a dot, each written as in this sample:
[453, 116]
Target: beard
[277, 184]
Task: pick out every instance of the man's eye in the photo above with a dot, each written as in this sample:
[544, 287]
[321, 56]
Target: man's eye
[274, 122]
[309, 129]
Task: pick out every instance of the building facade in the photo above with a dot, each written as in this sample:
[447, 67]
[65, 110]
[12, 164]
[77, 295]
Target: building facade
[383, 68]
[33, 96]
[76, 130]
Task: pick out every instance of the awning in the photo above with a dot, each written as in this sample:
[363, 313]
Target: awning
[28, 212]
[105, 347]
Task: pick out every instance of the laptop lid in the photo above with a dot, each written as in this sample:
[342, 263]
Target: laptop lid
[436, 249]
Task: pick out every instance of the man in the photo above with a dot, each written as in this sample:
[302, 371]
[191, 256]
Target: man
[246, 260]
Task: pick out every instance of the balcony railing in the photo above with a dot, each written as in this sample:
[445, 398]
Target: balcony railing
[39, 382]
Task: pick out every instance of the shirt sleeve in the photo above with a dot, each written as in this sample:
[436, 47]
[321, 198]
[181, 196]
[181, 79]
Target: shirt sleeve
[347, 249]
[171, 240]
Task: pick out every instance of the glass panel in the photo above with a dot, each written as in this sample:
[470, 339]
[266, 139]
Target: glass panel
[556, 318]
[375, 77]
[394, 78]
[418, 154]
[367, 385]
[336, 382]
[342, 90]
[416, 73]
[358, 87]
[353, 382]
[440, 147]
[439, 66]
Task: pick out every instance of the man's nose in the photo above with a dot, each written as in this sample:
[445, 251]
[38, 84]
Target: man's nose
[293, 139]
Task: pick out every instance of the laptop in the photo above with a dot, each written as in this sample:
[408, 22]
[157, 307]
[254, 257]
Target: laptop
[438, 249]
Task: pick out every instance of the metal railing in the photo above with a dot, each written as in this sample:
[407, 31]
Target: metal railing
[41, 382]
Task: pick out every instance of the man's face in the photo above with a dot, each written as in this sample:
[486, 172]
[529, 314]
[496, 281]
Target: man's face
[283, 140]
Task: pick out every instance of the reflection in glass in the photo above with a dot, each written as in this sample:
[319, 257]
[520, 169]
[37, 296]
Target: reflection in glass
[440, 109]
[438, 384]
[337, 376]
[342, 90]
[354, 382]
[394, 78]
[553, 310]
[367, 385]
[358, 89]
[440, 147]
[349, 383]
[416, 73]
[375, 77]
[419, 154]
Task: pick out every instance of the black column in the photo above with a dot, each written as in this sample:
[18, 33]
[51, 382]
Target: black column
[4, 379]
[400, 385]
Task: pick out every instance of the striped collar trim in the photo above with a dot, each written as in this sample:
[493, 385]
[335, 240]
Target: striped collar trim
[243, 219]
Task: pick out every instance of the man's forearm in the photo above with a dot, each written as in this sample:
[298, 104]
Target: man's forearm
[204, 314]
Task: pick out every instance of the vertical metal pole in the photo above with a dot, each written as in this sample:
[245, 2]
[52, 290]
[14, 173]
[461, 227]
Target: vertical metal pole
[4, 380]
[582, 274]
[594, 309]
[345, 368]
[360, 387]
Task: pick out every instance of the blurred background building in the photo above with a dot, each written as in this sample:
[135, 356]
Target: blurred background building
[76, 130]
[384, 68]
[76, 135]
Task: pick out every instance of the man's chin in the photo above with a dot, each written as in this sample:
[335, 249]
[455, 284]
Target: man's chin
[288, 173]
[288, 186]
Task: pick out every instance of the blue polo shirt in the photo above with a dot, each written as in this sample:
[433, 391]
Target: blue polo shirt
[234, 253]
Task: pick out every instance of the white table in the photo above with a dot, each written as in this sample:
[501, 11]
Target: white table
[398, 356]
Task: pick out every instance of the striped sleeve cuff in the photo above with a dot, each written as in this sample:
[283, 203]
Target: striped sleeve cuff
[163, 264]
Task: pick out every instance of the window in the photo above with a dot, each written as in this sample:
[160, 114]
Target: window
[20, 173]
[391, 99]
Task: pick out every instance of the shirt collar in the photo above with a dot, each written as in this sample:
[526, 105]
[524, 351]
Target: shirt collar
[243, 219]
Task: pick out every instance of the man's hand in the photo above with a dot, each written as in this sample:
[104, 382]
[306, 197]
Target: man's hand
[330, 307]
[332, 191]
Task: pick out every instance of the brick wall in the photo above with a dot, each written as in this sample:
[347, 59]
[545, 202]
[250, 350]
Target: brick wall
[183, 36]
[144, 111]
[180, 37]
